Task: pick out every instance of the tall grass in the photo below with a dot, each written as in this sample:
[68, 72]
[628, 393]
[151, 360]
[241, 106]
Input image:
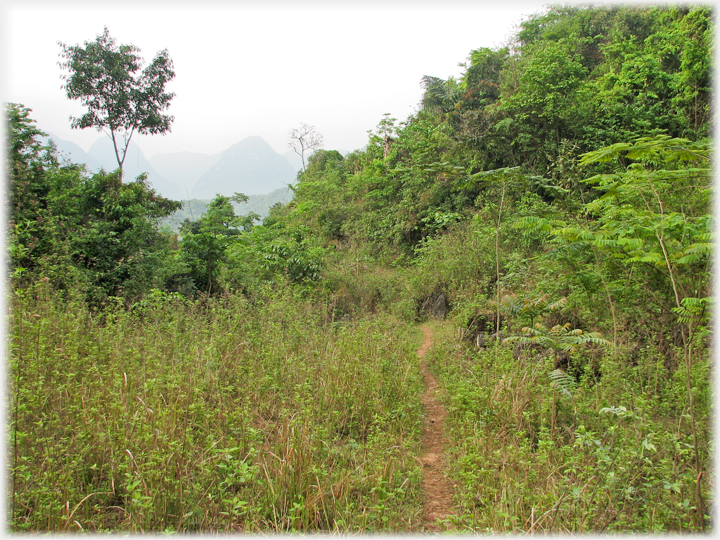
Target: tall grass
[220, 415]
[612, 452]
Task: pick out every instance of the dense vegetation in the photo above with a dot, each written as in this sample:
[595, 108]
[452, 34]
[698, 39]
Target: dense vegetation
[251, 377]
[256, 204]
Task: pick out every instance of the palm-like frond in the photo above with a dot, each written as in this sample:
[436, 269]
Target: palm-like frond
[439, 94]
[559, 337]
[563, 382]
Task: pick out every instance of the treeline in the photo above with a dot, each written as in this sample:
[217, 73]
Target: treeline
[580, 154]
[573, 81]
[256, 204]
[93, 235]
[553, 201]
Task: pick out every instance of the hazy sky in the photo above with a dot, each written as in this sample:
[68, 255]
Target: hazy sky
[252, 68]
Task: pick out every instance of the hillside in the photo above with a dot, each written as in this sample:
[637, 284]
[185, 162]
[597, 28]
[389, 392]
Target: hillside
[251, 167]
[102, 151]
[257, 204]
[71, 151]
[185, 167]
[101, 155]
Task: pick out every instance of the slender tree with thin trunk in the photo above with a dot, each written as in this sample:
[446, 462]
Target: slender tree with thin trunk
[120, 101]
[304, 140]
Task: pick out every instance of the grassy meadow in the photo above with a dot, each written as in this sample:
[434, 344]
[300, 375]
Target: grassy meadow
[211, 416]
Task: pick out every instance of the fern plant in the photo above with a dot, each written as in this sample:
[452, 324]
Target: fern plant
[563, 383]
[512, 305]
[558, 338]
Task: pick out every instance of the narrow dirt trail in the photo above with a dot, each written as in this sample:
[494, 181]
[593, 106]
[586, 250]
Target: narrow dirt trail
[437, 487]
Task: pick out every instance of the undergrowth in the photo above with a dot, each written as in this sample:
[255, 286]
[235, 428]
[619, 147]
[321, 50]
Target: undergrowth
[608, 451]
[218, 415]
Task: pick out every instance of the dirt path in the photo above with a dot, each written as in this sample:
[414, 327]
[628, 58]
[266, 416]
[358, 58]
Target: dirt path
[436, 485]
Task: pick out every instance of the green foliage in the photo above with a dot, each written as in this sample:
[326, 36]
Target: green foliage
[206, 240]
[653, 213]
[558, 185]
[616, 460]
[222, 416]
[546, 100]
[70, 227]
[656, 212]
[439, 95]
[24, 151]
[513, 306]
[558, 338]
[563, 382]
[102, 75]
[319, 198]
[292, 259]
[255, 204]
[481, 80]
[26, 166]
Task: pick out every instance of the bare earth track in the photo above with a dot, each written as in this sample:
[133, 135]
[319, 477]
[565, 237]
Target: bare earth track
[437, 487]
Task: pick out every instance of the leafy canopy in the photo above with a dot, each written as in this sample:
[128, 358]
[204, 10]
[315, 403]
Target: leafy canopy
[104, 77]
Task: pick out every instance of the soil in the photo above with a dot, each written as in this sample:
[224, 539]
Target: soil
[438, 506]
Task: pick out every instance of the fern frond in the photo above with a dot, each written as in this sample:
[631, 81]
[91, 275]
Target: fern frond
[574, 233]
[652, 258]
[595, 337]
[557, 305]
[534, 223]
[695, 252]
[688, 259]
[563, 382]
[511, 304]
[700, 247]
[693, 310]
[605, 154]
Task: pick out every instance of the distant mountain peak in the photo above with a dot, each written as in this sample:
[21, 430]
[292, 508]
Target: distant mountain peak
[250, 166]
[254, 142]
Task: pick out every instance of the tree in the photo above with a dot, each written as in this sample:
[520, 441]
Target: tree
[439, 95]
[655, 212]
[26, 167]
[104, 77]
[88, 233]
[304, 139]
[27, 160]
[205, 240]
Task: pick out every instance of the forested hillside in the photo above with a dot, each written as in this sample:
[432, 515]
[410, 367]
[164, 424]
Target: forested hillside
[547, 213]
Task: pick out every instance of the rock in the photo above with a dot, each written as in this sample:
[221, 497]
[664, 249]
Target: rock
[436, 305]
[483, 339]
[440, 306]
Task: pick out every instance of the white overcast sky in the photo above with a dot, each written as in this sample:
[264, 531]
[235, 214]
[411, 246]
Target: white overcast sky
[252, 68]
